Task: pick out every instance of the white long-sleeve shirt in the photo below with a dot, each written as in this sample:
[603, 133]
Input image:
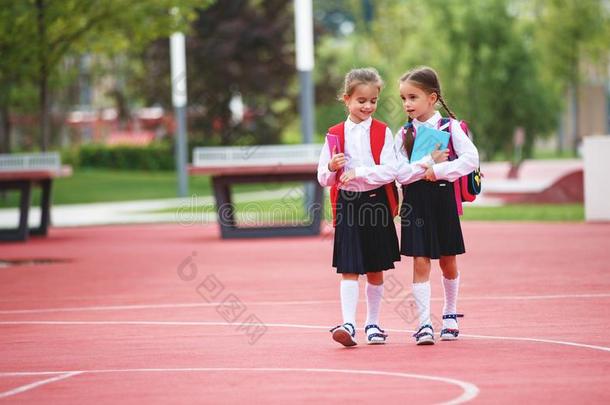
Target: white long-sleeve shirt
[467, 156]
[358, 154]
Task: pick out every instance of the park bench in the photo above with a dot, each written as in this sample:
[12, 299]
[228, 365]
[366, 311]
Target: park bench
[23, 172]
[232, 165]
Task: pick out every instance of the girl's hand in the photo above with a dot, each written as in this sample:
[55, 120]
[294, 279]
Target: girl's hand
[440, 156]
[429, 175]
[337, 162]
[348, 176]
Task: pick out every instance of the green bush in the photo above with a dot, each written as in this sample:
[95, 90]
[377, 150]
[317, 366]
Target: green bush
[156, 156]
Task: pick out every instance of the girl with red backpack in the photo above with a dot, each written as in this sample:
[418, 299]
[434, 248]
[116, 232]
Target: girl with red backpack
[430, 223]
[358, 162]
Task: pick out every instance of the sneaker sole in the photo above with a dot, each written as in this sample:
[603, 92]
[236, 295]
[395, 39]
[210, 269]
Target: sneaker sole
[376, 342]
[447, 338]
[425, 342]
[344, 338]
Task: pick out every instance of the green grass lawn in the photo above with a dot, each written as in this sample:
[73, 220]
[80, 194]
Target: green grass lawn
[99, 185]
[526, 212]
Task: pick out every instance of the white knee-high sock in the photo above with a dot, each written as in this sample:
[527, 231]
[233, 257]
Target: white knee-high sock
[349, 300]
[451, 288]
[374, 293]
[421, 292]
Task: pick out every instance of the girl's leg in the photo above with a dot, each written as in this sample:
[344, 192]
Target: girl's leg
[349, 297]
[421, 288]
[451, 284]
[374, 294]
[449, 267]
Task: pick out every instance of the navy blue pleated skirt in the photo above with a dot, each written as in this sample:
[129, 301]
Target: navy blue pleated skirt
[430, 224]
[365, 234]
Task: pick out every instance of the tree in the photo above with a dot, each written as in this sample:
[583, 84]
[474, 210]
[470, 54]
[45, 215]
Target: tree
[53, 29]
[572, 36]
[483, 57]
[241, 48]
[15, 31]
[244, 47]
[495, 83]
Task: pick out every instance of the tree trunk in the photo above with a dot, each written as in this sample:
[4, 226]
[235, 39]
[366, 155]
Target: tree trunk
[576, 113]
[43, 78]
[44, 110]
[5, 129]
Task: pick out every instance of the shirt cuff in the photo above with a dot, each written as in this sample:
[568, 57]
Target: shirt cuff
[360, 172]
[438, 172]
[425, 161]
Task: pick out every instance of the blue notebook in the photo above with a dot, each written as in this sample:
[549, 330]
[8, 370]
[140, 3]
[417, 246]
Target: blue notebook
[426, 140]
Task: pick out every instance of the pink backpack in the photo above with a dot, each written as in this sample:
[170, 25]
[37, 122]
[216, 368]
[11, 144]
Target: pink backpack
[469, 186]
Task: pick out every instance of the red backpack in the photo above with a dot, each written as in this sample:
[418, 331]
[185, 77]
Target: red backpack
[378, 130]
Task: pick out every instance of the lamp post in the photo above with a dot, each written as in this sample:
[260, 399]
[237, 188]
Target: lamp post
[178, 71]
[303, 24]
[303, 21]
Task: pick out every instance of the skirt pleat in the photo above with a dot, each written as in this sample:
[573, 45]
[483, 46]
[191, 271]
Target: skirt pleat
[430, 224]
[365, 234]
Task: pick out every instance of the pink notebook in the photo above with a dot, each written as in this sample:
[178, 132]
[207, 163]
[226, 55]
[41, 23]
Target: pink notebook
[333, 143]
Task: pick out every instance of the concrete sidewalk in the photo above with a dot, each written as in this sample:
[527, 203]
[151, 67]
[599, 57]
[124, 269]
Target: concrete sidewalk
[185, 210]
[133, 212]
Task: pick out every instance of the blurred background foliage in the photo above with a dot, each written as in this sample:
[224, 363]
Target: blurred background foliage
[503, 64]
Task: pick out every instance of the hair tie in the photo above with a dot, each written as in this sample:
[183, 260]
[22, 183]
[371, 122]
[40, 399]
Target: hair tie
[408, 125]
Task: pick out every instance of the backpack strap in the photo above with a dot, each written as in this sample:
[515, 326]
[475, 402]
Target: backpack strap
[378, 130]
[452, 156]
[339, 131]
[445, 123]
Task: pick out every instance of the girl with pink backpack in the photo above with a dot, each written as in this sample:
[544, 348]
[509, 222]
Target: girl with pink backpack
[431, 206]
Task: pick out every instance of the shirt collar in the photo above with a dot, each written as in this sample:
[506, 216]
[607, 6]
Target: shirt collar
[432, 122]
[366, 124]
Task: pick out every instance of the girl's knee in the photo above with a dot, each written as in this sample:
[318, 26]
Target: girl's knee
[375, 278]
[421, 263]
[349, 276]
[449, 267]
[446, 261]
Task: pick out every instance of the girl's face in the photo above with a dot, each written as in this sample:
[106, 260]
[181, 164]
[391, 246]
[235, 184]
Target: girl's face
[416, 102]
[362, 103]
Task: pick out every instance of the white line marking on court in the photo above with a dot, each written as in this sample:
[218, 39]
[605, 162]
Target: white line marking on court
[271, 303]
[283, 325]
[62, 376]
[470, 390]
